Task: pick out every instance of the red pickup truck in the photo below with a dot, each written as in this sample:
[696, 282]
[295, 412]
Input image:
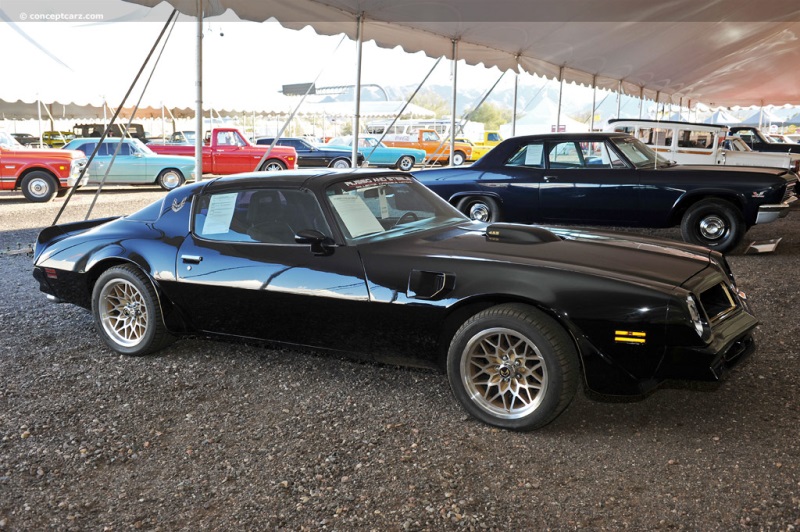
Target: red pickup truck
[41, 174]
[229, 152]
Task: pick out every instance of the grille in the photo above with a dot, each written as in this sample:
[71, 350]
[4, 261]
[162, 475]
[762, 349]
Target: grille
[789, 191]
[717, 301]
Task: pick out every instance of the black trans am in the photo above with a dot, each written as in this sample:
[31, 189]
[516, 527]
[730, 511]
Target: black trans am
[613, 179]
[373, 264]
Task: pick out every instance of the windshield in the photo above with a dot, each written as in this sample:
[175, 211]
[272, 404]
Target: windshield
[387, 207]
[638, 153]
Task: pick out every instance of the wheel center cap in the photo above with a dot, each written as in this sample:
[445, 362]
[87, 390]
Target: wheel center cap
[504, 371]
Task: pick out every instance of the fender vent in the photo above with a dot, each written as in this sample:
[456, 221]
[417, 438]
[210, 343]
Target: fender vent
[519, 234]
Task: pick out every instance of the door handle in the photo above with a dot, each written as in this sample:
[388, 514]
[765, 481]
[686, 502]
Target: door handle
[550, 178]
[191, 259]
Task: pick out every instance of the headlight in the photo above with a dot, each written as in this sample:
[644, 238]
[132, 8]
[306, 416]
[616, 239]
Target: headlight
[76, 166]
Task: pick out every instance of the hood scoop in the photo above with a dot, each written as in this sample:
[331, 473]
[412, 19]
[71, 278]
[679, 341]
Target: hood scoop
[519, 234]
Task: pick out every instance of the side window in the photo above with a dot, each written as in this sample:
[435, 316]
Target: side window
[599, 155]
[565, 155]
[690, 138]
[661, 137]
[493, 137]
[530, 155]
[87, 147]
[267, 216]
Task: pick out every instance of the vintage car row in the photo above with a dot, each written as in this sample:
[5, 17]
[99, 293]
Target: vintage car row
[311, 156]
[378, 154]
[373, 264]
[613, 179]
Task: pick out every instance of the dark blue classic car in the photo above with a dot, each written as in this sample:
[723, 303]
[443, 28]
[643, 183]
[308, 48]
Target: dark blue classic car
[613, 179]
[373, 264]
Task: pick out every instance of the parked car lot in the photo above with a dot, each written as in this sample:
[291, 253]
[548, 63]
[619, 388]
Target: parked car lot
[134, 164]
[614, 179]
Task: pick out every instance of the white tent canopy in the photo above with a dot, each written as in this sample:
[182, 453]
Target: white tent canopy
[737, 52]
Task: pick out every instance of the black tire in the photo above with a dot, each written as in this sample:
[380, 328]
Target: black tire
[340, 163]
[39, 186]
[480, 208]
[170, 178]
[514, 367]
[405, 163]
[713, 223]
[127, 313]
[459, 158]
[273, 165]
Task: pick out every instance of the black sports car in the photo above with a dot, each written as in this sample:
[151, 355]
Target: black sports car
[310, 156]
[374, 264]
[614, 179]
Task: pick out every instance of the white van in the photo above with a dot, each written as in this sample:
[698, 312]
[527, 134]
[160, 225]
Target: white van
[688, 143]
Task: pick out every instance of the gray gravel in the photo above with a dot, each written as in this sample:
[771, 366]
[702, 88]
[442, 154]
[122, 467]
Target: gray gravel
[212, 435]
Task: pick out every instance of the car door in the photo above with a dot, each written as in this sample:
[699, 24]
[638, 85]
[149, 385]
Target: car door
[588, 182]
[229, 154]
[240, 272]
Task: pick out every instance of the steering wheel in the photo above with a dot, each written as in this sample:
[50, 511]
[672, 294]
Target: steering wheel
[407, 216]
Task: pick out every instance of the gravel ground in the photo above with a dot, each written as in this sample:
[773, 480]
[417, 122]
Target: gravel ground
[211, 435]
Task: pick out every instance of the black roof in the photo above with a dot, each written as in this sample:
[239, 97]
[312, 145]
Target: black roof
[295, 178]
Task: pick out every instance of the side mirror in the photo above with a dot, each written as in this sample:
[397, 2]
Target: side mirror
[320, 244]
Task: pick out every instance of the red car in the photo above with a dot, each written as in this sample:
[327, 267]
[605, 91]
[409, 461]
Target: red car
[229, 152]
[41, 174]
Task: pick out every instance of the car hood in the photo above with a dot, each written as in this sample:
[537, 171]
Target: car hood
[631, 258]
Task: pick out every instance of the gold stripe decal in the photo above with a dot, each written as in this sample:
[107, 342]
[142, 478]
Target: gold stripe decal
[630, 337]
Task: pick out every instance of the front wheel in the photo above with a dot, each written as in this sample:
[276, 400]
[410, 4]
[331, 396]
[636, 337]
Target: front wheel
[480, 209]
[405, 163]
[715, 224]
[126, 312]
[39, 187]
[512, 366]
[170, 178]
[273, 165]
[340, 163]
[458, 158]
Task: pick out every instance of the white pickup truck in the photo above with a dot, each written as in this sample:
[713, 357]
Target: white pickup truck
[688, 143]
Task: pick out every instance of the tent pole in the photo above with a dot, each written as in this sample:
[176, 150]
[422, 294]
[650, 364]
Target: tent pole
[198, 108]
[594, 100]
[514, 108]
[39, 109]
[357, 117]
[619, 97]
[453, 109]
[560, 95]
[641, 101]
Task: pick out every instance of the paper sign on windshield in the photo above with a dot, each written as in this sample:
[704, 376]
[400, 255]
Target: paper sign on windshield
[355, 214]
[220, 214]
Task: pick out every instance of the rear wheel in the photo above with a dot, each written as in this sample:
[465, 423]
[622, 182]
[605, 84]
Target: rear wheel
[127, 313]
[170, 178]
[713, 223]
[340, 163]
[479, 208]
[273, 165]
[513, 366]
[39, 186]
[405, 163]
[458, 158]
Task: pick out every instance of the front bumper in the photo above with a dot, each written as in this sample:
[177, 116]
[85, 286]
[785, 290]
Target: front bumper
[770, 213]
